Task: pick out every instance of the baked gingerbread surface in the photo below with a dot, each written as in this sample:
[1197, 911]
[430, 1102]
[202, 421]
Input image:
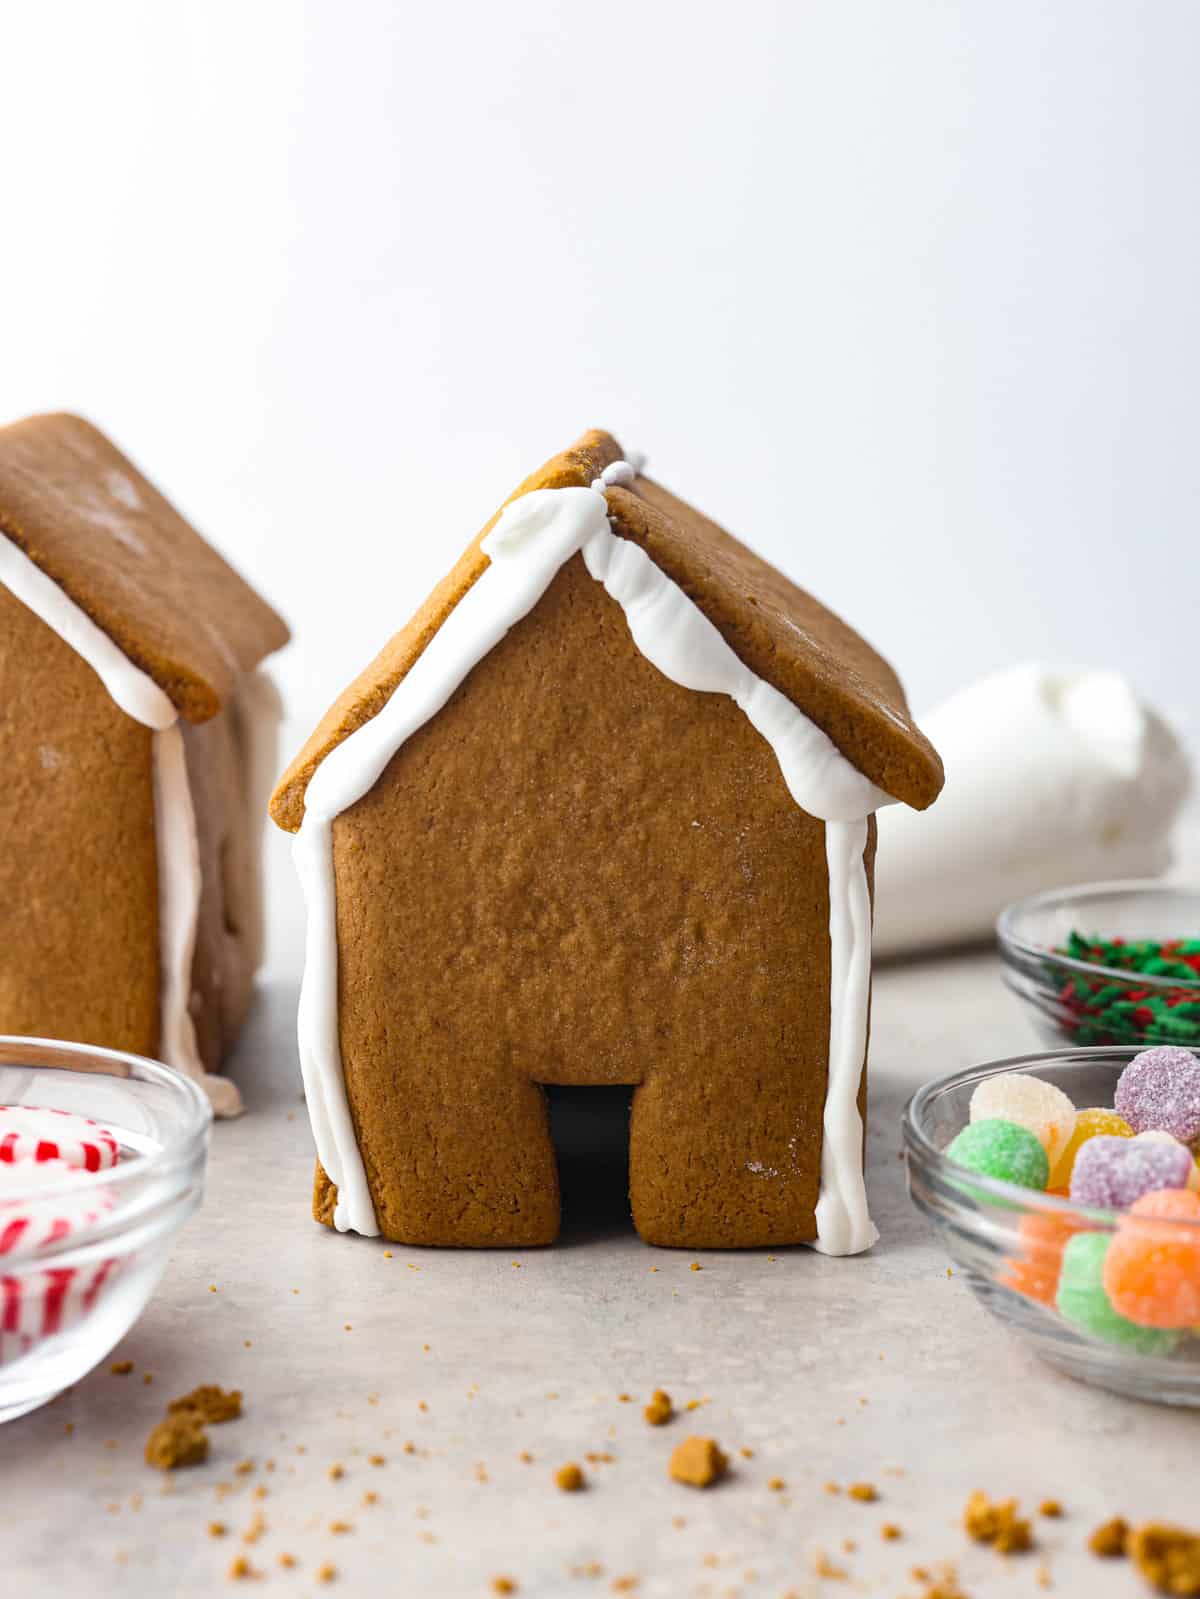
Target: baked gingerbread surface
[579, 872]
[85, 514]
[79, 868]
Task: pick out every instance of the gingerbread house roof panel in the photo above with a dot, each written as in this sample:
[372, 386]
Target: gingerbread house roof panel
[783, 634]
[85, 515]
[788, 638]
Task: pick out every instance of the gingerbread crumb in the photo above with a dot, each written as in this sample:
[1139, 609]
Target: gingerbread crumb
[217, 1529]
[1050, 1508]
[336, 1472]
[569, 1479]
[624, 1584]
[890, 1532]
[243, 1468]
[660, 1409]
[1110, 1539]
[288, 1562]
[240, 1568]
[177, 1441]
[503, 1585]
[824, 1567]
[1168, 1557]
[376, 1460]
[326, 1572]
[121, 1368]
[698, 1462]
[210, 1402]
[776, 1484]
[339, 1527]
[865, 1492]
[997, 1523]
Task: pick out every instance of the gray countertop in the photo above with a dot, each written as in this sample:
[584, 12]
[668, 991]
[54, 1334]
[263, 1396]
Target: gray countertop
[880, 1369]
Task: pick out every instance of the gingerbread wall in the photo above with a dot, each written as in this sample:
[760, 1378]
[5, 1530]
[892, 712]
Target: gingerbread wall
[78, 865]
[580, 872]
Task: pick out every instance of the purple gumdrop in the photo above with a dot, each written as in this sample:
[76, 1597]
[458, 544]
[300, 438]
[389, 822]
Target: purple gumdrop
[1159, 1091]
[1111, 1173]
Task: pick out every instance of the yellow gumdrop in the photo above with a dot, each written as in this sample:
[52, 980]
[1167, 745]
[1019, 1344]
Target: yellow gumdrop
[1088, 1124]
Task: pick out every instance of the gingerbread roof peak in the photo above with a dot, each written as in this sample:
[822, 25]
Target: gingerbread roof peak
[89, 520]
[777, 630]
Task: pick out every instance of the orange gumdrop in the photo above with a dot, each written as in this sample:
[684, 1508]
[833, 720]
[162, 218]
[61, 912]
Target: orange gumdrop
[1035, 1272]
[1152, 1269]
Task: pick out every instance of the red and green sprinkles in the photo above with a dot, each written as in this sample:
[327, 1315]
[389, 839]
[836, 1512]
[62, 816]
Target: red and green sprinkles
[1104, 1010]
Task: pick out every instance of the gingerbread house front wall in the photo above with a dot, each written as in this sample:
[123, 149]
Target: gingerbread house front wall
[580, 872]
[79, 954]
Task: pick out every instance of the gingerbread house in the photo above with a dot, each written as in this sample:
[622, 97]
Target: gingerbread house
[601, 813]
[137, 741]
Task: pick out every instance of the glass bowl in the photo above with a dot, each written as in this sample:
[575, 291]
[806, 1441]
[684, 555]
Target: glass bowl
[66, 1301]
[1008, 1241]
[1093, 1004]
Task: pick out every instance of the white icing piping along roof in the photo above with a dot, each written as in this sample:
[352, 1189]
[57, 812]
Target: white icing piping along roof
[533, 538]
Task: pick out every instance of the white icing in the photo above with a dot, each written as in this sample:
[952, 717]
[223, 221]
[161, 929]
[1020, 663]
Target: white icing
[533, 538]
[175, 823]
[844, 1225]
[179, 888]
[137, 695]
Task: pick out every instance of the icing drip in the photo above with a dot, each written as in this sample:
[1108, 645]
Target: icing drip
[533, 538]
[844, 1226]
[136, 694]
[175, 822]
[178, 909]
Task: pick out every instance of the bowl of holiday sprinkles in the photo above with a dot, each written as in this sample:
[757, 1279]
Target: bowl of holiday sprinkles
[1107, 963]
[1066, 1189]
[102, 1160]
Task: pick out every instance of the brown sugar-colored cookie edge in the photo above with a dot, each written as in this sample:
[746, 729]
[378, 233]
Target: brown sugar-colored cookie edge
[94, 524]
[366, 696]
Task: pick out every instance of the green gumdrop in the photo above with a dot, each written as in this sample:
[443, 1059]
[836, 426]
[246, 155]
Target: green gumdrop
[998, 1148]
[1083, 1302]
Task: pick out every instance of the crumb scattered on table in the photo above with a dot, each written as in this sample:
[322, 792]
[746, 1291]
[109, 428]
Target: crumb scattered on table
[210, 1402]
[997, 1523]
[1109, 1539]
[178, 1440]
[569, 1479]
[698, 1462]
[1168, 1557]
[660, 1409]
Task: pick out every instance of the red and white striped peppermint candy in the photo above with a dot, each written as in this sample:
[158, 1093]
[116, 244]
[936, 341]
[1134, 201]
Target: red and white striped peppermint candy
[33, 1132]
[40, 1304]
[32, 1218]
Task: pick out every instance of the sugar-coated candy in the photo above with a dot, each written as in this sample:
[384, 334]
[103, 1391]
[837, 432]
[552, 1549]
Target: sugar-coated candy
[1160, 1090]
[1113, 1172]
[1003, 1149]
[1082, 1299]
[1035, 1268]
[34, 1132]
[1169, 1138]
[1091, 1123]
[1030, 1102]
[1152, 1270]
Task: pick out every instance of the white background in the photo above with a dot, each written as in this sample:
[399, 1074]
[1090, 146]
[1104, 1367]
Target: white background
[904, 292]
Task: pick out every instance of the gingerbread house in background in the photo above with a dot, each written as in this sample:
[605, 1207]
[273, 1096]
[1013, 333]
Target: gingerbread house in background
[601, 813]
[137, 742]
